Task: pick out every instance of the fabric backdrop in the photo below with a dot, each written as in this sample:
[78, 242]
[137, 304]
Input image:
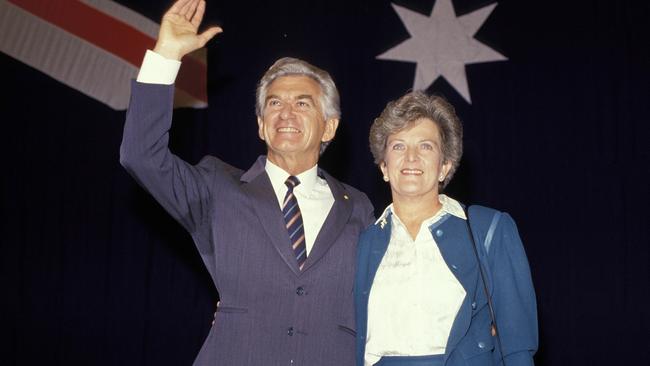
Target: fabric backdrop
[93, 272]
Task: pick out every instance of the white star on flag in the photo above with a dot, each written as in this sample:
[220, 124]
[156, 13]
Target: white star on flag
[442, 44]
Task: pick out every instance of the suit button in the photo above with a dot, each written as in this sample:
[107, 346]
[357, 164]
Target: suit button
[300, 291]
[290, 331]
[439, 233]
[481, 345]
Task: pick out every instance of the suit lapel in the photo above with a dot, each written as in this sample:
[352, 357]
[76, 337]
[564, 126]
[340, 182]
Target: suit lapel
[263, 200]
[334, 223]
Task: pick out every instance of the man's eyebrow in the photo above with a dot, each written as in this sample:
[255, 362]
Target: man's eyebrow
[299, 97]
[305, 96]
[271, 96]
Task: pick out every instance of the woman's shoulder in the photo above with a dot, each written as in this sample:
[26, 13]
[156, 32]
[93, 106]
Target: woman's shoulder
[483, 212]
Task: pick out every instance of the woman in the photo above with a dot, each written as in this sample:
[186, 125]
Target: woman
[420, 294]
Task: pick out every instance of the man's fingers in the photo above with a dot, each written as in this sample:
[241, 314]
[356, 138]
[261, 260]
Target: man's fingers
[208, 34]
[186, 8]
[198, 15]
[192, 11]
[178, 6]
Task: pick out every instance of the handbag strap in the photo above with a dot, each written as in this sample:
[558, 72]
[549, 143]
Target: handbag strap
[490, 233]
[487, 243]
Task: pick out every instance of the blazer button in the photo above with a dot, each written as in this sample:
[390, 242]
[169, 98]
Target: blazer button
[290, 331]
[439, 233]
[481, 345]
[453, 266]
[300, 291]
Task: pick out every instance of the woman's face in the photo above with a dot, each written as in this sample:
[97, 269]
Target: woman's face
[413, 161]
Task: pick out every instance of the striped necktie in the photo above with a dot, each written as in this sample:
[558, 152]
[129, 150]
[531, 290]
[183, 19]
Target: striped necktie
[293, 219]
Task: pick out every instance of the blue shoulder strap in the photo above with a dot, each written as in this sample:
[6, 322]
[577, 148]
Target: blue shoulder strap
[490, 232]
[479, 222]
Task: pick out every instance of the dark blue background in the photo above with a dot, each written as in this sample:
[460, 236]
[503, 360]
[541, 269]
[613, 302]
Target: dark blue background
[93, 272]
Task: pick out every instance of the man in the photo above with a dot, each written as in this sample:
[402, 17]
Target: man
[279, 240]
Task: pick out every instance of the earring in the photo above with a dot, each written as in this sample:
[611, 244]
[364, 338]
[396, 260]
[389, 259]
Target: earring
[385, 178]
[441, 179]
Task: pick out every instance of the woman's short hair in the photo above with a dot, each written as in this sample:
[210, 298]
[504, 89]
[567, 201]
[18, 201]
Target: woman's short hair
[401, 114]
[289, 66]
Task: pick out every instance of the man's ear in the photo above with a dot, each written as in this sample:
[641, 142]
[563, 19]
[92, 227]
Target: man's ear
[260, 130]
[330, 129]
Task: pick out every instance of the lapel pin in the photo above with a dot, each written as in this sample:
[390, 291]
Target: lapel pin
[345, 196]
[382, 223]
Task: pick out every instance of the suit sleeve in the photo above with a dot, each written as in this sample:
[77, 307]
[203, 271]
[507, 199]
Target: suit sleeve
[369, 212]
[179, 187]
[513, 295]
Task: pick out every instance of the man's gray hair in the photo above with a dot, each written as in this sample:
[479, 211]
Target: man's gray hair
[401, 114]
[289, 66]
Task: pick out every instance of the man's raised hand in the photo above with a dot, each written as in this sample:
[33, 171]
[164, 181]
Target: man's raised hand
[178, 33]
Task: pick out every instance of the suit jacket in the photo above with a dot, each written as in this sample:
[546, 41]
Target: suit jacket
[508, 279]
[270, 312]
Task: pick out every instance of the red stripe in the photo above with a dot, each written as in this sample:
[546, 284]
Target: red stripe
[116, 37]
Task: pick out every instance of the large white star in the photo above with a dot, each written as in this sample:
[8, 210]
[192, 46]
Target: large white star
[442, 45]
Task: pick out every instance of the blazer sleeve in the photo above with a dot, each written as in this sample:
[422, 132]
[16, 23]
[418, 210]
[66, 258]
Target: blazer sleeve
[513, 295]
[178, 186]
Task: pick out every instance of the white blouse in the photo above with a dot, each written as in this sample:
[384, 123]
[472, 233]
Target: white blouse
[414, 297]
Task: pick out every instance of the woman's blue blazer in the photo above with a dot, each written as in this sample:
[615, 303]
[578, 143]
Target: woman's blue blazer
[507, 275]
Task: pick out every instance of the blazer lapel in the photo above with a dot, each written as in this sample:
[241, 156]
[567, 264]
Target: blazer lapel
[378, 249]
[264, 202]
[455, 246]
[334, 223]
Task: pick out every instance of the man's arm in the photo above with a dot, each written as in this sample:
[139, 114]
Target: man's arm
[179, 187]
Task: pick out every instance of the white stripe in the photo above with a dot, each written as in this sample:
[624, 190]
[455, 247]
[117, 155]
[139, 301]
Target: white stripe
[126, 15]
[65, 57]
[295, 231]
[300, 254]
[290, 209]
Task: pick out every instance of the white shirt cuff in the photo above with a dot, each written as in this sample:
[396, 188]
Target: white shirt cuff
[157, 69]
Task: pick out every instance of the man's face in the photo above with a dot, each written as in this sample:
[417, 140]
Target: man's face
[292, 122]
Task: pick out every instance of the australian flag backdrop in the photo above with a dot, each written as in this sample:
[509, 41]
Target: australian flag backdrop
[555, 100]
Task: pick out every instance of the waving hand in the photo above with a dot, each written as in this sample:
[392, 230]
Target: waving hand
[178, 33]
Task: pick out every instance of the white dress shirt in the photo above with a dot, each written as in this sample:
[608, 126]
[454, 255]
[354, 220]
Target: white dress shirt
[414, 297]
[314, 196]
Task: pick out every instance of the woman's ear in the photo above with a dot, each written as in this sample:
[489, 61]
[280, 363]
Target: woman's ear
[384, 170]
[444, 171]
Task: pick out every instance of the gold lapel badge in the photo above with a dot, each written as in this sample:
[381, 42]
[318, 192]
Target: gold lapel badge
[382, 223]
